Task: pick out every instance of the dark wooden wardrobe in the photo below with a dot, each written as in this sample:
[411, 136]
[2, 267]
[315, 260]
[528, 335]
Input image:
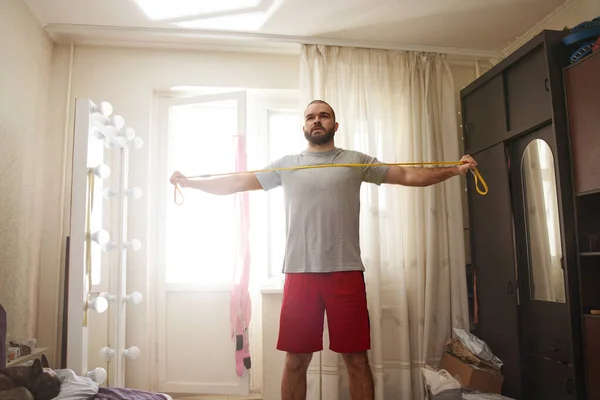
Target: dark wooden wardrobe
[524, 232]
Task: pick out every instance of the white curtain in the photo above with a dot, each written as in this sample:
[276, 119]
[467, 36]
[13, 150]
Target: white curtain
[399, 107]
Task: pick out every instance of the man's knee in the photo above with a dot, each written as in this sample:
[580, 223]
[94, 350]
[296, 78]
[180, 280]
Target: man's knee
[298, 362]
[356, 361]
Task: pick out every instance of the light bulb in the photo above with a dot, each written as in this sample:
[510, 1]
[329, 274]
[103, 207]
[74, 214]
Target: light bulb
[128, 133]
[133, 352]
[134, 245]
[99, 304]
[107, 353]
[102, 171]
[134, 192]
[98, 375]
[117, 121]
[137, 142]
[100, 236]
[104, 108]
[135, 298]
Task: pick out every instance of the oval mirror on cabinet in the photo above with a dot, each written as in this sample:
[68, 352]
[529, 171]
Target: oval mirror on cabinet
[542, 220]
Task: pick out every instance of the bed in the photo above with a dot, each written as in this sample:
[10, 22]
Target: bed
[77, 387]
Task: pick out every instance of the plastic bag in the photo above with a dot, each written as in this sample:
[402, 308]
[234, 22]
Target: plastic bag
[476, 395]
[439, 381]
[450, 394]
[478, 347]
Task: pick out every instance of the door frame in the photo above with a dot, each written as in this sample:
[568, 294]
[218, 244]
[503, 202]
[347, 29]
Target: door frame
[163, 102]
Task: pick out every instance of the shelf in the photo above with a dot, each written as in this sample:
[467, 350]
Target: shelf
[591, 316]
[35, 353]
[590, 254]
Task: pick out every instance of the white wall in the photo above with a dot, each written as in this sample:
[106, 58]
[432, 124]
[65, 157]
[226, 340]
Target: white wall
[25, 66]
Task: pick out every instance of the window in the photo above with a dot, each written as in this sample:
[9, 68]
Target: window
[199, 237]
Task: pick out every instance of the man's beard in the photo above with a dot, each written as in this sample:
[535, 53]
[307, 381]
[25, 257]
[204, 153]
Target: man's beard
[321, 139]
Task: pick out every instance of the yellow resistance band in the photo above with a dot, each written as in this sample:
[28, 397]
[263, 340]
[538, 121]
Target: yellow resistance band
[477, 176]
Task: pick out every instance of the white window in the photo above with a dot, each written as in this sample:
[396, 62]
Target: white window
[198, 238]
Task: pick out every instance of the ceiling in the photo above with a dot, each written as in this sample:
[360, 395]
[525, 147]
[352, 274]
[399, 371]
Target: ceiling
[472, 27]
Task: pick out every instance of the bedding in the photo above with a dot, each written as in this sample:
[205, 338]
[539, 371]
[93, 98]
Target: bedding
[128, 394]
[75, 387]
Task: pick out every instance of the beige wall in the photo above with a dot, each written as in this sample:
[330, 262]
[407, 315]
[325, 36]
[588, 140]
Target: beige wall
[25, 68]
[570, 15]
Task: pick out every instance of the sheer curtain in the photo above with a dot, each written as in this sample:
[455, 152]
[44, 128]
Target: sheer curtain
[399, 107]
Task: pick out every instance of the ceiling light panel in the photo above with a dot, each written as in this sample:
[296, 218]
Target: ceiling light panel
[158, 10]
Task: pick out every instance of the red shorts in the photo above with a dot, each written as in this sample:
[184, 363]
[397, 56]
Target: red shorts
[305, 299]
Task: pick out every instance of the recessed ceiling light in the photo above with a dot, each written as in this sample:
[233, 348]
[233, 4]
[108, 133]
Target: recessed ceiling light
[169, 9]
[239, 22]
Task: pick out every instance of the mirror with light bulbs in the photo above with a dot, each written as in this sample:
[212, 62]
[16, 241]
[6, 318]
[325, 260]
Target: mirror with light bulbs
[100, 195]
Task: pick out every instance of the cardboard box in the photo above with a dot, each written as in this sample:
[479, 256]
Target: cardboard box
[472, 377]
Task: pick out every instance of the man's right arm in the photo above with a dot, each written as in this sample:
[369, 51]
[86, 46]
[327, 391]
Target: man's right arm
[223, 185]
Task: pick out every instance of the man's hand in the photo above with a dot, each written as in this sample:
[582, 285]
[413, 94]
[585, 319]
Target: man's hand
[179, 179]
[467, 163]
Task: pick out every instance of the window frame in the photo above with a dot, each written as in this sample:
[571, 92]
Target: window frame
[164, 191]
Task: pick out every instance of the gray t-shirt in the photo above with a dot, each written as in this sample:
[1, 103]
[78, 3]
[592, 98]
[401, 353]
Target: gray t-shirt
[322, 208]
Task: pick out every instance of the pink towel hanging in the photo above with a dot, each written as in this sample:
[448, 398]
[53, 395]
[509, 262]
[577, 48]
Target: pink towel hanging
[240, 304]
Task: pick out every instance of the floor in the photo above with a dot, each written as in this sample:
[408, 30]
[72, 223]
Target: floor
[216, 397]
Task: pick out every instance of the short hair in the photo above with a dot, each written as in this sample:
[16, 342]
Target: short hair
[322, 102]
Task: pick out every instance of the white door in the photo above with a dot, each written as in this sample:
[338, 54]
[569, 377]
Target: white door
[195, 246]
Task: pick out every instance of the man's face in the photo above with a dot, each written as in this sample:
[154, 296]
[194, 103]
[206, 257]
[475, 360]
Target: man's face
[319, 126]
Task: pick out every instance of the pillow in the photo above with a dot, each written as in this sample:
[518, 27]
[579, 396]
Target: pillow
[75, 387]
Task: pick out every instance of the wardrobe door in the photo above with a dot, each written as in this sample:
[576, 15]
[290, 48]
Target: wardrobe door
[492, 256]
[484, 117]
[528, 91]
[544, 314]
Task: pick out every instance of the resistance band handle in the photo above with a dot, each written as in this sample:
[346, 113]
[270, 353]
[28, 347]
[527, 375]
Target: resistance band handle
[177, 190]
[478, 178]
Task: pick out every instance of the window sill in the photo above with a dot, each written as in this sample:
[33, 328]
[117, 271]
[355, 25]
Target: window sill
[271, 290]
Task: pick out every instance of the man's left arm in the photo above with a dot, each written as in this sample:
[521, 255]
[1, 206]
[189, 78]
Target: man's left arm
[422, 176]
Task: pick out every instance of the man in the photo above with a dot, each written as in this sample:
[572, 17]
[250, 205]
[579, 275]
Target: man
[323, 266]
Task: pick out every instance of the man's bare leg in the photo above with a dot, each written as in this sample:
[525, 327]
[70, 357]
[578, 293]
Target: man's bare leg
[293, 384]
[360, 376]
